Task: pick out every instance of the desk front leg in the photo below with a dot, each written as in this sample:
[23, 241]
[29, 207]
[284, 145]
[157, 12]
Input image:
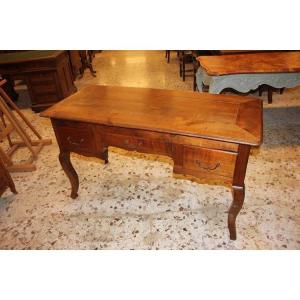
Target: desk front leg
[238, 188]
[64, 158]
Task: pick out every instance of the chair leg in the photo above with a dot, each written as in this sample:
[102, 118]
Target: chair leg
[183, 68]
[260, 90]
[168, 55]
[180, 67]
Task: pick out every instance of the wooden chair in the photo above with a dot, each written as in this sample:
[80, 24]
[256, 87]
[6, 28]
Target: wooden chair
[190, 57]
[185, 58]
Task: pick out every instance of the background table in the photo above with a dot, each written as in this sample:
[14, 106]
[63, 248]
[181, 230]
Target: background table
[246, 72]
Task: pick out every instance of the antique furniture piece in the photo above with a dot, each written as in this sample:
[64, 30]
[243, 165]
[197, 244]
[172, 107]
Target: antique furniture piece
[5, 180]
[10, 123]
[207, 136]
[47, 74]
[246, 72]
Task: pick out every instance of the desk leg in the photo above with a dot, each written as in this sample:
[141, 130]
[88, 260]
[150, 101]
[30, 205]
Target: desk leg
[64, 158]
[238, 194]
[238, 188]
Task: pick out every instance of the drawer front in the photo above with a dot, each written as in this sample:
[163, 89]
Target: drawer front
[46, 98]
[80, 139]
[132, 143]
[41, 89]
[214, 162]
[43, 77]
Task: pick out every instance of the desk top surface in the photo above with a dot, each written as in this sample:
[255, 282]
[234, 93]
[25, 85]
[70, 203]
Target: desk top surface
[26, 56]
[219, 117]
[250, 63]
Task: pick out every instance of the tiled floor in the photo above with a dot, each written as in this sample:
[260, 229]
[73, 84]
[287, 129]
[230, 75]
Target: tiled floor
[135, 203]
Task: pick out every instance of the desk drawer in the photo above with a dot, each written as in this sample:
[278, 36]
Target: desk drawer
[133, 143]
[215, 162]
[76, 138]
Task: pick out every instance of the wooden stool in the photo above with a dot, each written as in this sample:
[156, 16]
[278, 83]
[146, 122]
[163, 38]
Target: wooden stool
[5, 180]
[9, 124]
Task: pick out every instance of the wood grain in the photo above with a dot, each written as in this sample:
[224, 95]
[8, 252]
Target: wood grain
[184, 113]
[251, 63]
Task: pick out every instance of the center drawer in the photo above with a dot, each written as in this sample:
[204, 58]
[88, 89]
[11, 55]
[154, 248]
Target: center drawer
[211, 161]
[134, 143]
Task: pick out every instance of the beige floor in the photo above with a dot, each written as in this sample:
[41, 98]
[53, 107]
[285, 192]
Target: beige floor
[135, 203]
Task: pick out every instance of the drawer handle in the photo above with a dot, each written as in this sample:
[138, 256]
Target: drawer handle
[198, 162]
[75, 143]
[132, 146]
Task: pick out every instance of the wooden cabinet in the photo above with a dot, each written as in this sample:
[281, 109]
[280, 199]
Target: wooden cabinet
[47, 74]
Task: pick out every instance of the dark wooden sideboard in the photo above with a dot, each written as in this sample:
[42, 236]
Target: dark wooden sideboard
[207, 136]
[47, 74]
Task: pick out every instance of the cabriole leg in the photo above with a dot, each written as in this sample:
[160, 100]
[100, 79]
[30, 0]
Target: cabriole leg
[238, 188]
[238, 194]
[64, 158]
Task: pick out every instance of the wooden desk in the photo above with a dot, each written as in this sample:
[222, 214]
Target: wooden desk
[207, 136]
[47, 74]
[246, 72]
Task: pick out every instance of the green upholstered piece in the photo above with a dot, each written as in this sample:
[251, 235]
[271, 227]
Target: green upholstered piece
[14, 57]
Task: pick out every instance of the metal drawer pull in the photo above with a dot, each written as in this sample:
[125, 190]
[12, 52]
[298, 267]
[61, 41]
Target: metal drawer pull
[198, 162]
[75, 143]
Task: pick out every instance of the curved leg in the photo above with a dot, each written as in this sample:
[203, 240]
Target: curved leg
[238, 194]
[64, 158]
[238, 188]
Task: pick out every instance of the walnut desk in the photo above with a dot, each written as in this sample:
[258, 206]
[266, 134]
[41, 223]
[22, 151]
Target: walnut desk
[207, 136]
[246, 72]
